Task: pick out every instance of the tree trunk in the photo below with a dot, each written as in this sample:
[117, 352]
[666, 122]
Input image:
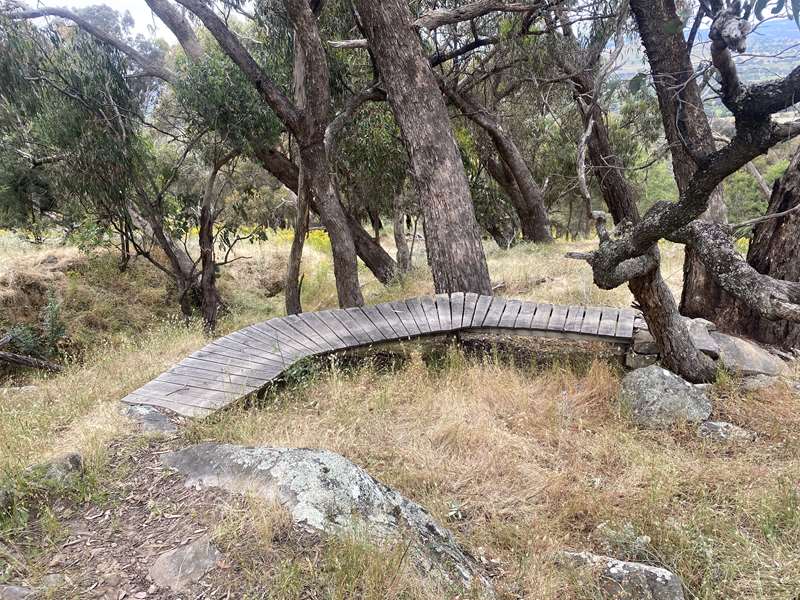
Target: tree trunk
[400, 241]
[684, 120]
[293, 303]
[453, 240]
[525, 195]
[210, 302]
[773, 251]
[376, 259]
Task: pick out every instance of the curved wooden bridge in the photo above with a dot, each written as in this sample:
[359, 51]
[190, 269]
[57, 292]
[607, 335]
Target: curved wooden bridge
[245, 361]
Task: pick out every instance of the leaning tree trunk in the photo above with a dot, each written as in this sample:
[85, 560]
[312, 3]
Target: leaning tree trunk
[773, 251]
[684, 120]
[400, 241]
[655, 299]
[525, 193]
[456, 255]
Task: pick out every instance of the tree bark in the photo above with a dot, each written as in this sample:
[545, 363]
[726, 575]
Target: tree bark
[686, 126]
[29, 362]
[453, 240]
[400, 241]
[526, 196]
[773, 251]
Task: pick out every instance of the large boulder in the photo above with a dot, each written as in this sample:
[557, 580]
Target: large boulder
[746, 358]
[658, 398]
[620, 580]
[326, 492]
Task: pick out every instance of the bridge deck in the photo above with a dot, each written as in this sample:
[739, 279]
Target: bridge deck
[243, 362]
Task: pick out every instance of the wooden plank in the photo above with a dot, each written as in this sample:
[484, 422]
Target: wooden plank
[509, 317]
[374, 315]
[542, 317]
[304, 334]
[216, 367]
[625, 324]
[352, 325]
[228, 349]
[220, 355]
[608, 322]
[470, 300]
[250, 341]
[388, 313]
[591, 320]
[481, 308]
[558, 318]
[342, 332]
[495, 312]
[314, 322]
[574, 319]
[415, 308]
[405, 316]
[366, 325]
[204, 384]
[205, 375]
[431, 313]
[525, 316]
[443, 309]
[456, 309]
[185, 410]
[249, 352]
[283, 352]
[187, 395]
[287, 346]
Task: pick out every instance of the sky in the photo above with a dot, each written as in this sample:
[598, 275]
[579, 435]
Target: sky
[139, 10]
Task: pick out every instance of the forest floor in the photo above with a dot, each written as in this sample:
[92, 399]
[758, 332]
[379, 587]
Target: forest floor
[519, 458]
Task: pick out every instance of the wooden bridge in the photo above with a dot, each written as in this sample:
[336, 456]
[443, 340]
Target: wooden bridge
[245, 361]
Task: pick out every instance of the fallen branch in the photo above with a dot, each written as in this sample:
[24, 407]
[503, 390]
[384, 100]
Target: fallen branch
[29, 362]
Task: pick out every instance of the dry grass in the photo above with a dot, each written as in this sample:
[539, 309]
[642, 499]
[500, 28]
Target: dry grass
[519, 461]
[524, 463]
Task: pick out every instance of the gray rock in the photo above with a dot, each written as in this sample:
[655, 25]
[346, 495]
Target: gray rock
[326, 492]
[179, 569]
[703, 340]
[150, 419]
[53, 581]
[621, 580]
[756, 383]
[634, 360]
[644, 343]
[722, 431]
[14, 592]
[60, 471]
[745, 357]
[659, 398]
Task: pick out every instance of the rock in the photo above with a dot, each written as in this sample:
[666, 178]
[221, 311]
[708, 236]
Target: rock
[53, 581]
[756, 383]
[699, 332]
[746, 358]
[722, 431]
[644, 343]
[621, 580]
[150, 419]
[659, 398]
[326, 492]
[60, 471]
[181, 568]
[14, 592]
[634, 360]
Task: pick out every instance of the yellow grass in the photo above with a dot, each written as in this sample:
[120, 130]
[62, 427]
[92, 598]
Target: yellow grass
[520, 462]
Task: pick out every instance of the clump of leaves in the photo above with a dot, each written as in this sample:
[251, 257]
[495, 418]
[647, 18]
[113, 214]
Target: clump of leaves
[42, 340]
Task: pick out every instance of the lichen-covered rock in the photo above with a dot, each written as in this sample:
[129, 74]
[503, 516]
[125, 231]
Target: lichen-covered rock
[150, 419]
[746, 358]
[757, 383]
[634, 360]
[326, 492]
[60, 471]
[644, 343]
[179, 569]
[722, 431]
[699, 332]
[620, 580]
[658, 398]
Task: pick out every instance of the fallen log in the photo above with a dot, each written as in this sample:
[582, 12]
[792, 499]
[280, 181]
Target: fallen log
[29, 362]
